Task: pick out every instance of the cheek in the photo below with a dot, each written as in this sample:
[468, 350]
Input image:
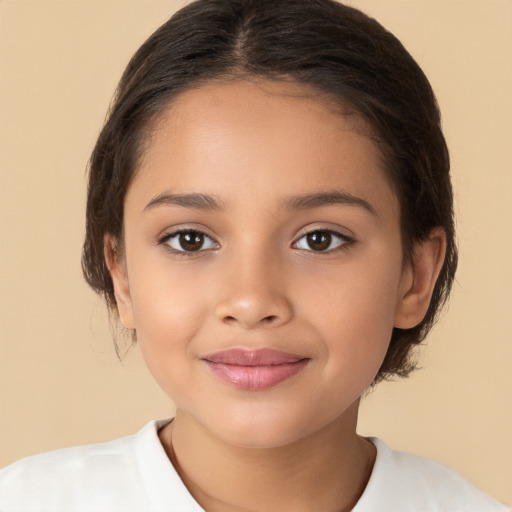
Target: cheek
[168, 312]
[355, 314]
[165, 313]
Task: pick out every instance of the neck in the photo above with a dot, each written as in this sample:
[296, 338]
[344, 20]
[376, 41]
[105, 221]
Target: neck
[327, 470]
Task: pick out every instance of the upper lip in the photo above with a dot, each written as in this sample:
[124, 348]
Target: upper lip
[248, 357]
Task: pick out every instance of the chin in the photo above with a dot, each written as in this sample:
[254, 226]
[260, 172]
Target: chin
[263, 429]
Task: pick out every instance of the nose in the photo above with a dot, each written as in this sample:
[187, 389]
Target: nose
[253, 295]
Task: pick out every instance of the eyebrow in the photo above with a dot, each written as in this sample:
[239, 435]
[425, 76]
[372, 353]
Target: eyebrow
[329, 198]
[195, 201]
[208, 202]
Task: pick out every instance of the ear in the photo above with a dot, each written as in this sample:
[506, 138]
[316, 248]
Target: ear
[419, 279]
[117, 268]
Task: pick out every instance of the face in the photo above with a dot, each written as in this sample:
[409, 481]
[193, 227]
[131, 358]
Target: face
[263, 266]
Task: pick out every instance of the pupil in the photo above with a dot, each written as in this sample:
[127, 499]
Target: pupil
[319, 240]
[191, 241]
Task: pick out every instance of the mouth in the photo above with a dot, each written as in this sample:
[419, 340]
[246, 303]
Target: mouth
[254, 369]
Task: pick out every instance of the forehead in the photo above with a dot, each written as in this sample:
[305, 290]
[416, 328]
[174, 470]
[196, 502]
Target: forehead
[260, 140]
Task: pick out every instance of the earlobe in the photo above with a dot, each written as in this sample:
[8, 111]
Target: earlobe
[419, 280]
[117, 268]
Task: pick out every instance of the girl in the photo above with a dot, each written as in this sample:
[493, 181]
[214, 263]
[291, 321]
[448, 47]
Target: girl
[270, 214]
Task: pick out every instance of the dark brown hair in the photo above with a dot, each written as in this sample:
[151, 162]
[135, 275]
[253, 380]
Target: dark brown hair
[332, 48]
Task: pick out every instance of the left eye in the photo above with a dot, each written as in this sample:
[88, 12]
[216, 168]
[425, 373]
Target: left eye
[190, 241]
[321, 241]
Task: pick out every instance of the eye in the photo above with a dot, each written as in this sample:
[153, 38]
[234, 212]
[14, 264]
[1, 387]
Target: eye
[322, 240]
[189, 241]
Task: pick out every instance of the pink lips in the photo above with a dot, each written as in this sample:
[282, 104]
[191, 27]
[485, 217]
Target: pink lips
[254, 369]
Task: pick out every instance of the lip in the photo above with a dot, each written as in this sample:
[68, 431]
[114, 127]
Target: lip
[254, 369]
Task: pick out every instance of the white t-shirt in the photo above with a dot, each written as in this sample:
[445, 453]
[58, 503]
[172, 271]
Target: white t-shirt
[133, 474]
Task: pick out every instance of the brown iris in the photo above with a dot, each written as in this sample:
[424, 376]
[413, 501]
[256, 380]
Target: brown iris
[319, 240]
[191, 241]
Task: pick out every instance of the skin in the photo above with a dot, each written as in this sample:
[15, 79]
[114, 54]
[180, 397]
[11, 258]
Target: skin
[256, 282]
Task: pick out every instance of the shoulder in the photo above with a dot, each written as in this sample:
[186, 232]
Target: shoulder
[406, 482]
[79, 478]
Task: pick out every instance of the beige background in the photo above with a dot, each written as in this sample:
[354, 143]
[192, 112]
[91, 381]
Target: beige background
[60, 383]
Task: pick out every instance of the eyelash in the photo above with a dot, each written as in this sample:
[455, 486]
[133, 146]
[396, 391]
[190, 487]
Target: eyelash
[175, 234]
[344, 241]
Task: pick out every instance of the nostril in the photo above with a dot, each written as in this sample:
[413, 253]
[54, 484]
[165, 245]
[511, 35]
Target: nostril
[265, 320]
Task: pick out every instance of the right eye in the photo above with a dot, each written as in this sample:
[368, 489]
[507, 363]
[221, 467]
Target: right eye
[189, 241]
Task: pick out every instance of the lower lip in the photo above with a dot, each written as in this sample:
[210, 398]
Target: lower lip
[256, 377]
